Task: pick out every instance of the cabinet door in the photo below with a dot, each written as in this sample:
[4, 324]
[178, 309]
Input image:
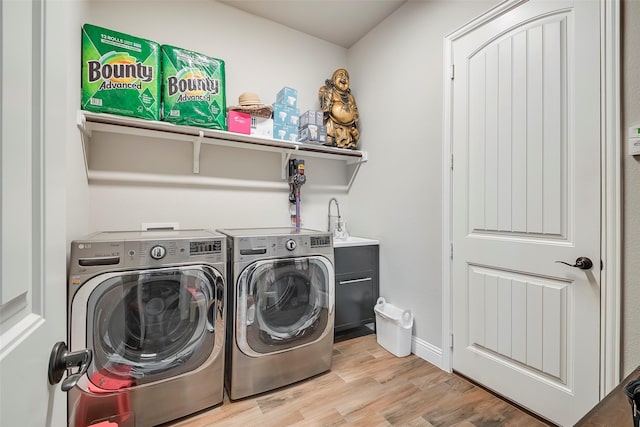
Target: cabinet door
[354, 300]
[357, 286]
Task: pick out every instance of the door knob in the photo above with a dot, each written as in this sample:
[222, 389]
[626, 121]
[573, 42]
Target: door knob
[61, 360]
[583, 263]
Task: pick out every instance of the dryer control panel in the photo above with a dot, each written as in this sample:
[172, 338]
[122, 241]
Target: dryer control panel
[249, 248]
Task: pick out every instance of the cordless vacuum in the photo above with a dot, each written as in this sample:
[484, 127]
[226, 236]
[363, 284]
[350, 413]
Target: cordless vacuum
[296, 180]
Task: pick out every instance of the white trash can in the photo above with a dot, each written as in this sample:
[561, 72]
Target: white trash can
[393, 328]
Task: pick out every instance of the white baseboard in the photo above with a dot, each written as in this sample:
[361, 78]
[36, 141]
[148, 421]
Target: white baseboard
[427, 351]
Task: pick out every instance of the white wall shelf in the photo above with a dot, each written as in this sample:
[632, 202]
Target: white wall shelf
[89, 122]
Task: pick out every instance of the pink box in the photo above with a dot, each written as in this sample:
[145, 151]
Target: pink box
[239, 122]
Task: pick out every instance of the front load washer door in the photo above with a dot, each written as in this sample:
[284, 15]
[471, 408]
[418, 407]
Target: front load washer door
[149, 325]
[284, 303]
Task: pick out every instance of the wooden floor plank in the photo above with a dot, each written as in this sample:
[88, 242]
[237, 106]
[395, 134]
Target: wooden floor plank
[368, 386]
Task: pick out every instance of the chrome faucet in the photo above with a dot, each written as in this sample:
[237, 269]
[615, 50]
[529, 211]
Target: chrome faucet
[333, 199]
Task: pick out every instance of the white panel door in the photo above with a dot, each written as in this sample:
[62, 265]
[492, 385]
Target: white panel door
[526, 193]
[33, 244]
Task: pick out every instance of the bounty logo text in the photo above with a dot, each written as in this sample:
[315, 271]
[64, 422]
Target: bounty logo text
[192, 86]
[119, 70]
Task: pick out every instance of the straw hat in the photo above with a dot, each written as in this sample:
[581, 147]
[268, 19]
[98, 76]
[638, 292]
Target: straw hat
[250, 103]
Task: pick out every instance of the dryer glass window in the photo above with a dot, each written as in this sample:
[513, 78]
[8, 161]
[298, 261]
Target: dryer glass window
[284, 303]
[150, 325]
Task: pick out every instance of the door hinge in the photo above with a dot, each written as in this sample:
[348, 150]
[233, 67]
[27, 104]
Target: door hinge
[451, 341]
[452, 71]
[451, 162]
[451, 250]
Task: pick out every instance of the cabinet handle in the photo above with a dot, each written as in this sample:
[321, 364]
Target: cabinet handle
[347, 282]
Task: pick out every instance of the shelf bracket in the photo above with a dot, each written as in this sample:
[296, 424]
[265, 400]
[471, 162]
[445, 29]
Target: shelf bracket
[197, 144]
[353, 175]
[285, 164]
[356, 167]
[286, 155]
[85, 134]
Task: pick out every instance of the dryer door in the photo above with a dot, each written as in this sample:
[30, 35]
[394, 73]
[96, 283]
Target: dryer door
[284, 303]
[146, 326]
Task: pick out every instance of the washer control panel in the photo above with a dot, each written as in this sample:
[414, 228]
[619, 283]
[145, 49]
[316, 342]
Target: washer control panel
[100, 255]
[173, 251]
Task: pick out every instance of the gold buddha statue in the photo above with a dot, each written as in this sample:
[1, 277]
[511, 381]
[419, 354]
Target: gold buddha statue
[340, 111]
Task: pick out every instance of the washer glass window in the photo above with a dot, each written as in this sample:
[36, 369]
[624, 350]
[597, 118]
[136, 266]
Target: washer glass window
[150, 325]
[284, 303]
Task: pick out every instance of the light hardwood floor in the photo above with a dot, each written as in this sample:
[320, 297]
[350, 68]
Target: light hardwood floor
[368, 386]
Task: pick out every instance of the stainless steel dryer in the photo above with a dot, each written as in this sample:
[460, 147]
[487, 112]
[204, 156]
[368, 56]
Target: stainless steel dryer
[281, 308]
[150, 307]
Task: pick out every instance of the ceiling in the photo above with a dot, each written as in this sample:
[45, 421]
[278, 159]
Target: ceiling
[342, 22]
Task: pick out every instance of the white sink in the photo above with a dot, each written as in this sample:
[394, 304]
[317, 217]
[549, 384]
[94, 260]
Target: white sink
[354, 241]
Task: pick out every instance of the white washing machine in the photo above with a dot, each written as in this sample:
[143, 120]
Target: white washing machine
[280, 307]
[150, 307]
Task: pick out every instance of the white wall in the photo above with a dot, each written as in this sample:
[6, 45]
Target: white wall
[260, 56]
[397, 78]
[631, 178]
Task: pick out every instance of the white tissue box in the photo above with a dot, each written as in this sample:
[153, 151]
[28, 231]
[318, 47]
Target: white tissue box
[261, 127]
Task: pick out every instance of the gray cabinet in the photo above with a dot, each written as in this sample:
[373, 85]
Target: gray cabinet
[357, 285]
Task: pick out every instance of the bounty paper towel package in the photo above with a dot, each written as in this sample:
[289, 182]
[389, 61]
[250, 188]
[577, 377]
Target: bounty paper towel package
[120, 73]
[193, 89]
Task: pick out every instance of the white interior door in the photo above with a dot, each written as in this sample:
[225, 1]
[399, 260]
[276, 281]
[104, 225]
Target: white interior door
[32, 250]
[526, 194]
